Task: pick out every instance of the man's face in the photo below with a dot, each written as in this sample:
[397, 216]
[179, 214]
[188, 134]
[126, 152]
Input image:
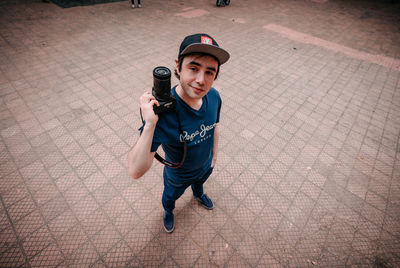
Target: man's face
[197, 75]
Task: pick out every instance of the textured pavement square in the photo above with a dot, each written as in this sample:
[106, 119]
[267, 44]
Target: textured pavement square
[308, 173]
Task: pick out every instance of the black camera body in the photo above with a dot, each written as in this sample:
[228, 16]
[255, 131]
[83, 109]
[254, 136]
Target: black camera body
[162, 90]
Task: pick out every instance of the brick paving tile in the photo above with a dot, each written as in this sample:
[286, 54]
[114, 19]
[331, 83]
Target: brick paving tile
[308, 170]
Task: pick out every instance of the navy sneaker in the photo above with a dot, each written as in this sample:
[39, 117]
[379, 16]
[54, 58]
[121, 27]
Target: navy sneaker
[220, 3]
[168, 222]
[205, 201]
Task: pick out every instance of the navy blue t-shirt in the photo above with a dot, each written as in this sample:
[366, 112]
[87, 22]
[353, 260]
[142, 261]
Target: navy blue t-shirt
[198, 133]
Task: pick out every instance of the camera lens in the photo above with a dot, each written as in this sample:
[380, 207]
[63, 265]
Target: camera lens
[161, 73]
[162, 83]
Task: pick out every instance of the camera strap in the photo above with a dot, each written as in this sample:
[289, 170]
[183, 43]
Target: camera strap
[164, 161]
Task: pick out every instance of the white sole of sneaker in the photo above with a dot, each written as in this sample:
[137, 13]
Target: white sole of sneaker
[169, 231]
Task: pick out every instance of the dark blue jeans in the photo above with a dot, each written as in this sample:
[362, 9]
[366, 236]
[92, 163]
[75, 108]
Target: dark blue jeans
[173, 189]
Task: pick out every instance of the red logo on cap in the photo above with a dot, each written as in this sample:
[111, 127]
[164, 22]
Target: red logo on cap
[206, 40]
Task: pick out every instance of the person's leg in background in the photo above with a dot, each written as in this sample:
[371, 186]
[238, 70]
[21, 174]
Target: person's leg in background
[138, 3]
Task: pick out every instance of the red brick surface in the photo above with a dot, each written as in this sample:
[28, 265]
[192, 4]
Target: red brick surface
[308, 173]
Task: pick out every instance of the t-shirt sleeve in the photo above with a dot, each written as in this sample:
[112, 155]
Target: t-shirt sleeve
[154, 146]
[219, 109]
[219, 103]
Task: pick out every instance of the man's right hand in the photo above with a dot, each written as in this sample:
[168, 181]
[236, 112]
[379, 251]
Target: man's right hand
[147, 101]
[140, 156]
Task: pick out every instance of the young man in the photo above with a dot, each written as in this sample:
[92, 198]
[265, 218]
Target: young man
[194, 123]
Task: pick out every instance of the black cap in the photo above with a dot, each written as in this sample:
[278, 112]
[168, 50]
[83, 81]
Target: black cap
[203, 43]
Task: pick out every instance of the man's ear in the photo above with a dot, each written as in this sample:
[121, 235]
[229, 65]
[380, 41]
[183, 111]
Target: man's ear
[177, 66]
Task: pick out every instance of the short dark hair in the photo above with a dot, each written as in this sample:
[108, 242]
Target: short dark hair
[180, 60]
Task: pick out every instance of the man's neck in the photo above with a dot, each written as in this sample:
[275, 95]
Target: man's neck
[192, 102]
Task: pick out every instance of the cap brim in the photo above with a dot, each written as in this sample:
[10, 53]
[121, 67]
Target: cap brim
[221, 54]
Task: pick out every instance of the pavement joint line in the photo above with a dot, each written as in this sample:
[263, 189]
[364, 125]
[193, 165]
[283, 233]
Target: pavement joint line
[381, 60]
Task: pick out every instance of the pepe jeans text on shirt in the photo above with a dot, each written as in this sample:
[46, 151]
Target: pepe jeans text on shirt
[202, 133]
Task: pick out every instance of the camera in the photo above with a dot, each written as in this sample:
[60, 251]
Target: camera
[162, 90]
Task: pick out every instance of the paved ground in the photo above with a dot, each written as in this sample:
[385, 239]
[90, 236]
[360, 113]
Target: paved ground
[309, 167]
